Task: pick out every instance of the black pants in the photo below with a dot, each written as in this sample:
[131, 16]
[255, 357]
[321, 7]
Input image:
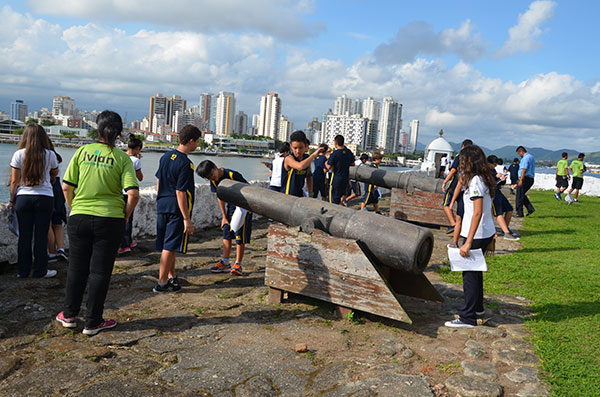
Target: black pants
[127, 237]
[522, 198]
[473, 287]
[34, 213]
[93, 243]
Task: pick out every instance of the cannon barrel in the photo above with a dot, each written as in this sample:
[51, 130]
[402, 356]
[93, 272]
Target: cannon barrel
[410, 180]
[394, 243]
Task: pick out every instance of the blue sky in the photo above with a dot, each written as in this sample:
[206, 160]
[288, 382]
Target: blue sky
[511, 72]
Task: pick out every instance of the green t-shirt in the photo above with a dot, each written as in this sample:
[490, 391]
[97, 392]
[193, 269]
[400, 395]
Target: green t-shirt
[561, 167]
[577, 168]
[99, 174]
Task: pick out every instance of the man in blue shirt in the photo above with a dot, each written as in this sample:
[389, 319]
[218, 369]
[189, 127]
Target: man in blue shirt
[525, 182]
[339, 162]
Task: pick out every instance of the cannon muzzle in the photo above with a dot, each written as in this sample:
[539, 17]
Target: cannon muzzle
[411, 180]
[395, 243]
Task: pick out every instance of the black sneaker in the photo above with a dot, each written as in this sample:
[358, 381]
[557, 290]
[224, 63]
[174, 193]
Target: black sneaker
[500, 233]
[169, 287]
[174, 281]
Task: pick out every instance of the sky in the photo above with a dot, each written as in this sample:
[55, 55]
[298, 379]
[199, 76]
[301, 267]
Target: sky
[500, 73]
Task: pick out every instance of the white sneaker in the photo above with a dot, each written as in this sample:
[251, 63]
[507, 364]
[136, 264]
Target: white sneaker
[458, 324]
[50, 273]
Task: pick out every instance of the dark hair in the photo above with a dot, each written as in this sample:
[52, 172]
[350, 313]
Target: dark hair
[467, 142]
[134, 142]
[189, 133]
[110, 126]
[364, 157]
[376, 156]
[339, 140]
[516, 160]
[284, 148]
[499, 161]
[580, 155]
[324, 146]
[299, 136]
[565, 154]
[521, 148]
[51, 147]
[473, 162]
[205, 168]
[492, 159]
[35, 142]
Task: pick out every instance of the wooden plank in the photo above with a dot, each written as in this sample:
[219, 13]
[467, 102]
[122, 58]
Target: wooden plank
[275, 295]
[418, 206]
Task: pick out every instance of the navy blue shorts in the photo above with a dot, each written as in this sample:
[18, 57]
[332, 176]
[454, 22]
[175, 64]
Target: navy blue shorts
[355, 187]
[319, 187]
[371, 195]
[169, 233]
[448, 197]
[336, 193]
[500, 204]
[243, 235]
[460, 205]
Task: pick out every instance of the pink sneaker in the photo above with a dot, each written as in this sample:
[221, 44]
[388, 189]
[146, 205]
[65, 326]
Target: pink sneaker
[67, 322]
[133, 244]
[105, 324]
[123, 250]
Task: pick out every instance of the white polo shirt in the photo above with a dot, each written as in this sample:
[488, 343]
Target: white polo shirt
[478, 189]
[44, 188]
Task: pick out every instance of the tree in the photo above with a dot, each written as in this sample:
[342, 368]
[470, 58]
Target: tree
[47, 123]
[93, 133]
[18, 131]
[68, 134]
[31, 120]
[202, 145]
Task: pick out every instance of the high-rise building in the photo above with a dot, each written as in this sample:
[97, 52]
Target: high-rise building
[370, 108]
[63, 106]
[208, 111]
[18, 110]
[270, 112]
[189, 116]
[342, 105]
[404, 137]
[286, 128]
[414, 135]
[158, 107]
[175, 104]
[352, 128]
[390, 123]
[240, 123]
[371, 135]
[255, 122]
[166, 107]
[158, 123]
[225, 113]
[356, 107]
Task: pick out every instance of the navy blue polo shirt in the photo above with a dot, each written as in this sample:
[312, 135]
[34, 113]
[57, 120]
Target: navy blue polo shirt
[292, 181]
[227, 174]
[175, 172]
[340, 160]
[319, 163]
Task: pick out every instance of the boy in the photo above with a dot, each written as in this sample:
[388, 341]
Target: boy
[354, 185]
[501, 208]
[513, 169]
[371, 193]
[562, 176]
[578, 168]
[339, 162]
[452, 178]
[174, 202]
[318, 179]
[296, 166]
[208, 170]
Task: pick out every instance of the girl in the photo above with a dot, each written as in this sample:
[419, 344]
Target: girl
[33, 164]
[134, 149]
[56, 232]
[477, 229]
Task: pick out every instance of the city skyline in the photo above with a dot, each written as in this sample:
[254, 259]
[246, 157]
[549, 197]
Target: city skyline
[514, 72]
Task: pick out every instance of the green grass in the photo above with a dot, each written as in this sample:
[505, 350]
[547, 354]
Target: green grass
[558, 268]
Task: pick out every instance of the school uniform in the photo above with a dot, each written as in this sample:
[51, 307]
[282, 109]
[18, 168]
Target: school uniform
[577, 167]
[562, 179]
[276, 167]
[128, 236]
[241, 236]
[319, 176]
[175, 173]
[500, 204]
[340, 161]
[473, 280]
[371, 194]
[452, 186]
[292, 180]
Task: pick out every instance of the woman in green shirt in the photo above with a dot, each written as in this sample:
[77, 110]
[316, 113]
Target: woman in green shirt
[93, 185]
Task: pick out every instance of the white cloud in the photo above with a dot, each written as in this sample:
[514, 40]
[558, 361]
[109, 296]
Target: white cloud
[279, 18]
[523, 37]
[419, 38]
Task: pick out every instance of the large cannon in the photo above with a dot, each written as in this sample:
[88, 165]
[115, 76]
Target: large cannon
[355, 259]
[416, 197]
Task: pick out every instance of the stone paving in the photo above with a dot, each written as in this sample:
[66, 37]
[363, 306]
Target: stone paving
[219, 337]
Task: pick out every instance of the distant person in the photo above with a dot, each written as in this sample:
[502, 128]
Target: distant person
[500, 170]
[354, 185]
[296, 170]
[93, 185]
[501, 208]
[174, 202]
[31, 195]
[578, 168]
[56, 232]
[339, 163]
[562, 175]
[525, 182]
[449, 186]
[319, 177]
[371, 192]
[134, 150]
[513, 170]
[208, 170]
[277, 165]
[443, 166]
[478, 231]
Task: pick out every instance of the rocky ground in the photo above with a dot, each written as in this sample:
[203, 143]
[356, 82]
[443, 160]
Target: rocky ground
[220, 337]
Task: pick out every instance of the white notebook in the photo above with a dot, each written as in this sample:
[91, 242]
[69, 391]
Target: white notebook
[475, 261]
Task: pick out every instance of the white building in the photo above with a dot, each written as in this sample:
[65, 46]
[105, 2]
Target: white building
[255, 122]
[434, 152]
[356, 107]
[352, 128]
[225, 113]
[158, 121]
[189, 116]
[370, 108]
[414, 135]
[240, 123]
[174, 104]
[270, 112]
[286, 128]
[63, 106]
[208, 111]
[60, 130]
[342, 105]
[18, 110]
[390, 122]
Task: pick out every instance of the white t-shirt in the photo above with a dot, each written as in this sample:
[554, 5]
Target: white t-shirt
[486, 226]
[276, 170]
[137, 165]
[44, 188]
